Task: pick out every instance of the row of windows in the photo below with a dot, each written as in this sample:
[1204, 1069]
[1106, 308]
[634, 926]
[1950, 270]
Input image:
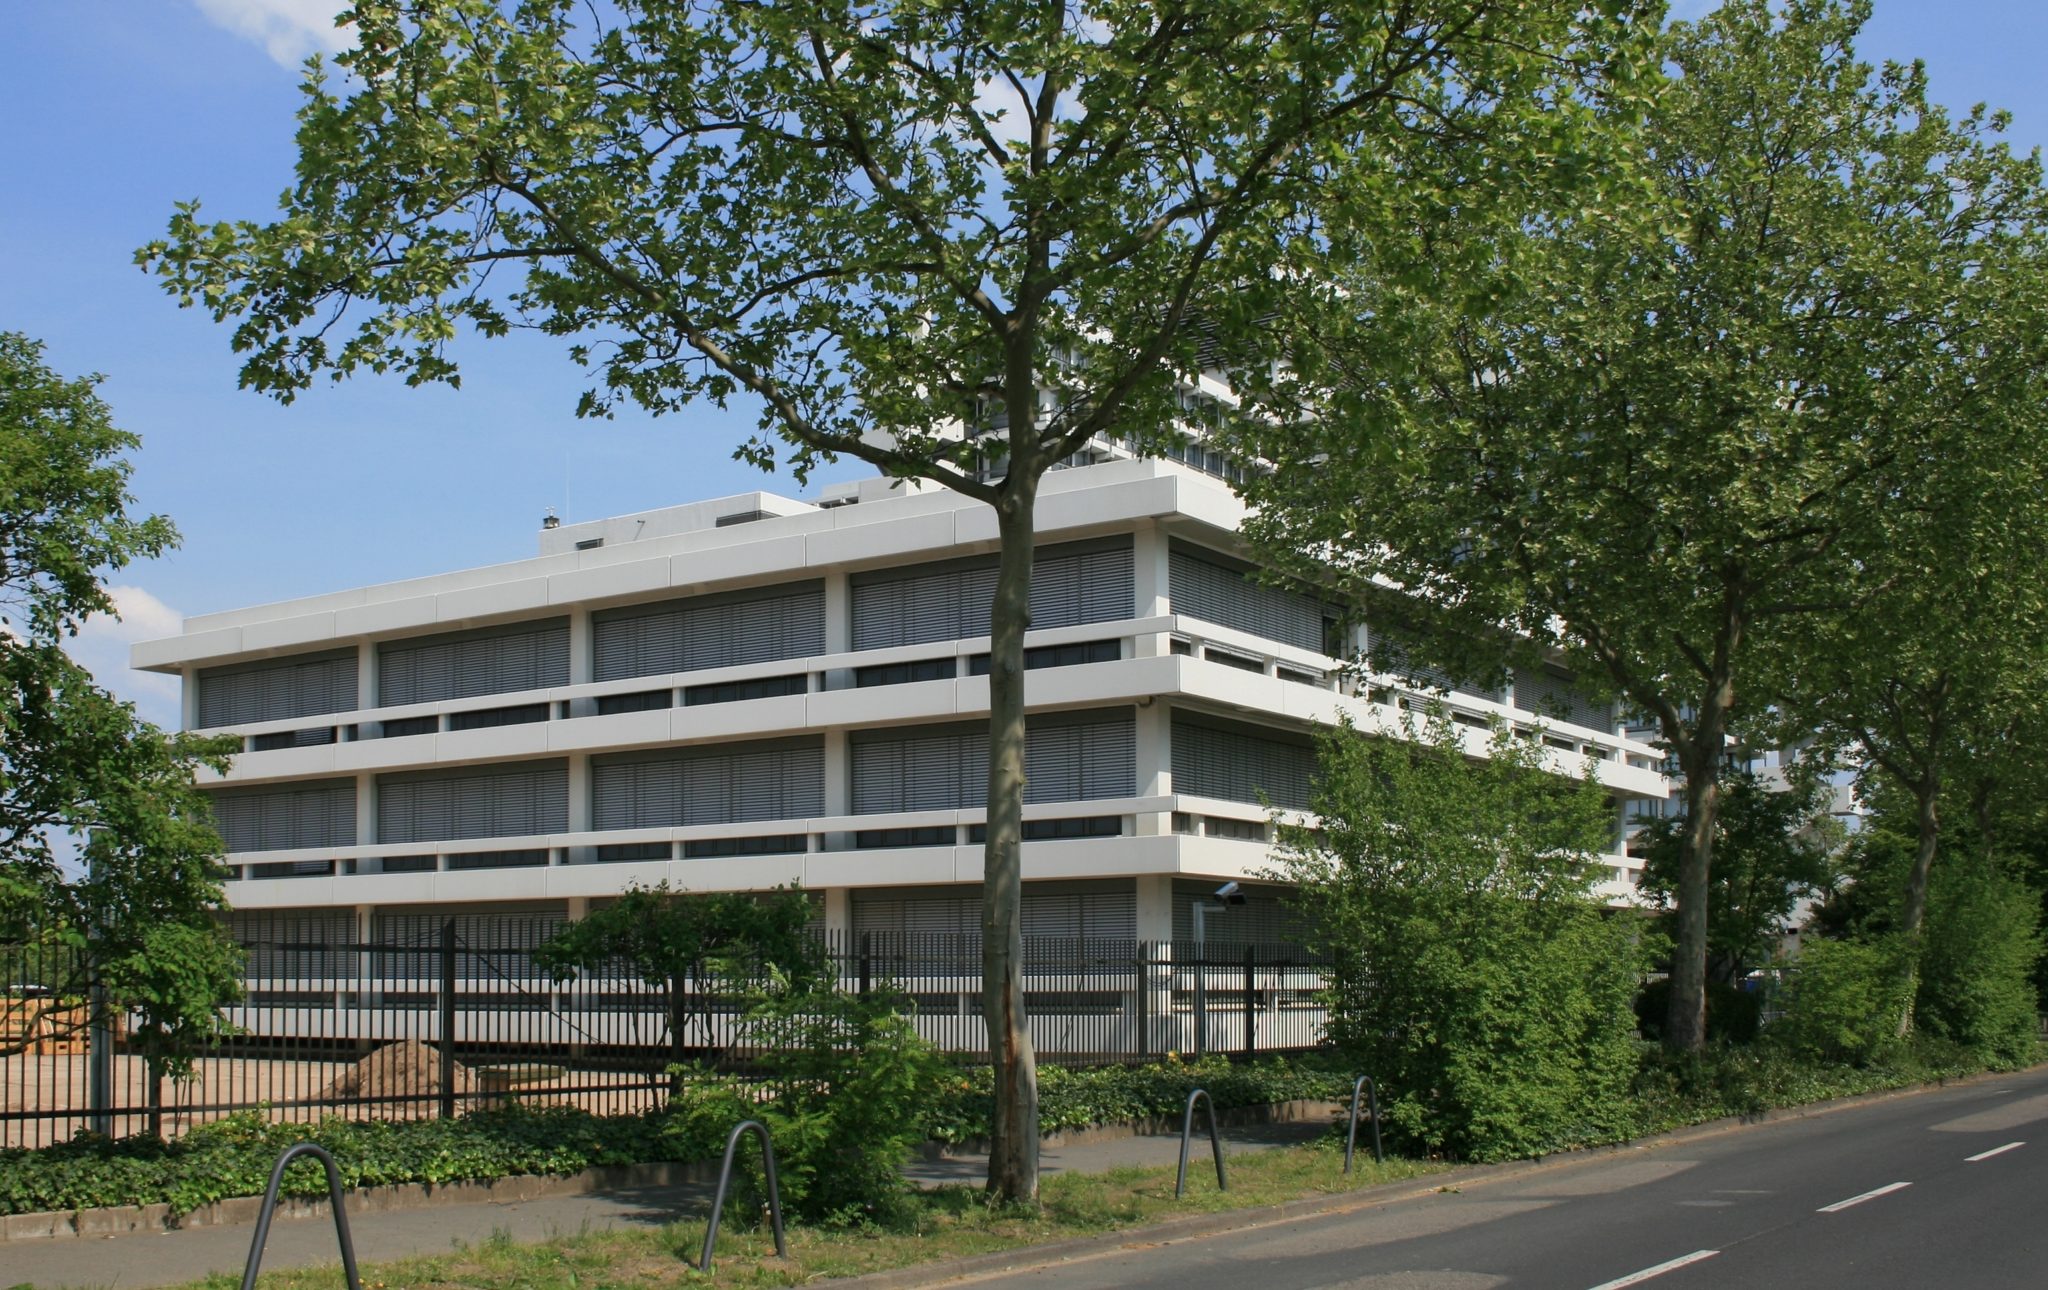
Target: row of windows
[1068, 757]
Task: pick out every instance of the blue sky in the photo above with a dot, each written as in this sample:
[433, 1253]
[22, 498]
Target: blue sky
[116, 109]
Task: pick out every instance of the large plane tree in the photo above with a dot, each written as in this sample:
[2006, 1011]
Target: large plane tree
[879, 221]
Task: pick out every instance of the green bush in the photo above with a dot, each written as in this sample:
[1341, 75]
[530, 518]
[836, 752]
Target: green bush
[234, 1156]
[1980, 945]
[849, 1084]
[1472, 971]
[1844, 1000]
[1080, 1098]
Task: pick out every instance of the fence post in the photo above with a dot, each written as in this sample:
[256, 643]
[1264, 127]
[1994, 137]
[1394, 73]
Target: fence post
[867, 978]
[99, 1047]
[1251, 1012]
[1201, 999]
[1141, 981]
[447, 1002]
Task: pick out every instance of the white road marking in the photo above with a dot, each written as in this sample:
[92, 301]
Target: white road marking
[1841, 1205]
[1995, 1151]
[1673, 1265]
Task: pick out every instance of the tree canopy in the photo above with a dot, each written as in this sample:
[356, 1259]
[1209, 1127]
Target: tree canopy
[955, 241]
[108, 860]
[1652, 435]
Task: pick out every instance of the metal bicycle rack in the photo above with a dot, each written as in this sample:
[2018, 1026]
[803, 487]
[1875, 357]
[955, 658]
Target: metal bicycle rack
[1187, 1126]
[348, 1245]
[725, 1181]
[1372, 1091]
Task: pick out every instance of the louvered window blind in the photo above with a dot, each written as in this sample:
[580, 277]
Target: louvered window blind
[779, 780]
[1204, 587]
[304, 685]
[1070, 584]
[755, 626]
[296, 946]
[1068, 757]
[315, 814]
[1549, 694]
[480, 802]
[462, 665]
[1394, 653]
[1098, 915]
[1237, 764]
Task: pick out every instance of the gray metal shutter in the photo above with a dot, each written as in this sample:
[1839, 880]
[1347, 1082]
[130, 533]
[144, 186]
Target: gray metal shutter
[1091, 915]
[1088, 584]
[493, 801]
[315, 814]
[877, 613]
[1558, 697]
[746, 782]
[462, 665]
[877, 776]
[1206, 589]
[1237, 765]
[1109, 756]
[929, 770]
[707, 790]
[938, 772]
[1074, 757]
[1052, 764]
[304, 685]
[643, 793]
[919, 915]
[1394, 653]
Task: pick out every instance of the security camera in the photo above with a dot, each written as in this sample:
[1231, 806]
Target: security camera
[1226, 891]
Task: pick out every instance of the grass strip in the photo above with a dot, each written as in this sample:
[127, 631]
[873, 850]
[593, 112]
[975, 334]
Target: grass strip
[945, 1223]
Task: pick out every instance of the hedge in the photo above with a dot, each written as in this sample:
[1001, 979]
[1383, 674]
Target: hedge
[233, 1156]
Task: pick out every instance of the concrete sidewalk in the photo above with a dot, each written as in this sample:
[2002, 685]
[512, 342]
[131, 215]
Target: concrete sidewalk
[171, 1258]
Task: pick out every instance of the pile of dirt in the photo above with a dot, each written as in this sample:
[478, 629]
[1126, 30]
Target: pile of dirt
[409, 1069]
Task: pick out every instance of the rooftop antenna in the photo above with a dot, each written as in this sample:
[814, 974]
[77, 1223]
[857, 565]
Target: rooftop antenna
[550, 520]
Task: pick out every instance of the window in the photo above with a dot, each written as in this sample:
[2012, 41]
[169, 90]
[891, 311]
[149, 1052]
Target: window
[491, 718]
[767, 687]
[924, 669]
[611, 705]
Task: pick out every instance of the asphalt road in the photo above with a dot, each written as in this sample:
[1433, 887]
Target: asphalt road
[1946, 1189]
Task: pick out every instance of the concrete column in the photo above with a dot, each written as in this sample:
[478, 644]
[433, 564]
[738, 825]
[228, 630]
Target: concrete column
[1155, 927]
[579, 806]
[1155, 907]
[1149, 569]
[1154, 740]
[579, 906]
[582, 656]
[366, 927]
[366, 808]
[838, 912]
[188, 699]
[838, 787]
[838, 628]
[366, 687]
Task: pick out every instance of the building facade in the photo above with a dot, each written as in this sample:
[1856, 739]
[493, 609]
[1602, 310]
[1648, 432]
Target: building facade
[755, 691]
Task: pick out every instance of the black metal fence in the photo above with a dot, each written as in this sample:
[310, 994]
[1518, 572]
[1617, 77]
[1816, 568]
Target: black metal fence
[455, 1015]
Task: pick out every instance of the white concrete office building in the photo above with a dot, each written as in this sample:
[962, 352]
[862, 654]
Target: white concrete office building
[754, 691]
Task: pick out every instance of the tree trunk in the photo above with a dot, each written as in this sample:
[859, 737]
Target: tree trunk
[1685, 1022]
[1013, 1142]
[1927, 796]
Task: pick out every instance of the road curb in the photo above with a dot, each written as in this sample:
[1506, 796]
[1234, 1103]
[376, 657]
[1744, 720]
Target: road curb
[1030, 1257]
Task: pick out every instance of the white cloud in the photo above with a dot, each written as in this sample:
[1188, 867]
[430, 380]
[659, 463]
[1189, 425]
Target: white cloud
[288, 30]
[102, 647]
